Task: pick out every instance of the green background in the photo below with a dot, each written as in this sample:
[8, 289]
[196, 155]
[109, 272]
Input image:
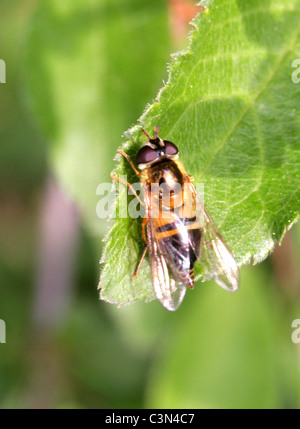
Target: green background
[84, 72]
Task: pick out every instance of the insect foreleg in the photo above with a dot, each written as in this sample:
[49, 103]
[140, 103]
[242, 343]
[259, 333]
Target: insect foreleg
[130, 162]
[129, 186]
[140, 261]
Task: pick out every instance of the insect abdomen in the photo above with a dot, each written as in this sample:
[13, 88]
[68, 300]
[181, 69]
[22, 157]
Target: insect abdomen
[180, 243]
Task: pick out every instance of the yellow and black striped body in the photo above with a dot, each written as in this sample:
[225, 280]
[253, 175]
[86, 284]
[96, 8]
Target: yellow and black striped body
[177, 224]
[171, 208]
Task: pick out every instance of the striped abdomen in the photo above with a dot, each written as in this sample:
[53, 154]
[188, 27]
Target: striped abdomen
[180, 243]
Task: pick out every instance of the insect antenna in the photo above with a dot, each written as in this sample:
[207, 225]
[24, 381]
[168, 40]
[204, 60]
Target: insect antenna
[146, 134]
[156, 130]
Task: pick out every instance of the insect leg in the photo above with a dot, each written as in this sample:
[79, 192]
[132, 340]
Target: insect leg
[130, 162]
[129, 186]
[188, 178]
[140, 261]
[143, 229]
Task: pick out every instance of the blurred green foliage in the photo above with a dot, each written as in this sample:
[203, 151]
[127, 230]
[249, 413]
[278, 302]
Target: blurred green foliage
[218, 350]
[97, 67]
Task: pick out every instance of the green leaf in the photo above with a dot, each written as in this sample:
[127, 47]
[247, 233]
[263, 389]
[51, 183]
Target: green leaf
[233, 110]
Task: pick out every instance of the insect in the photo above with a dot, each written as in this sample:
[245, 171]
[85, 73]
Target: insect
[177, 229]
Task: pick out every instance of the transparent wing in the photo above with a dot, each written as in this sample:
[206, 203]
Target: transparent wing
[169, 292]
[216, 259]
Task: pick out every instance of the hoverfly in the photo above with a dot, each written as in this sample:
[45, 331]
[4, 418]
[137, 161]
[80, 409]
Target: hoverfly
[177, 229]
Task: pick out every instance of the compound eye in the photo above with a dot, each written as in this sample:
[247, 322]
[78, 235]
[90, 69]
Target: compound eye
[145, 155]
[170, 148]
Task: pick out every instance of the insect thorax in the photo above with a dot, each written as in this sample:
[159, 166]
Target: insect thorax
[165, 182]
[165, 171]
